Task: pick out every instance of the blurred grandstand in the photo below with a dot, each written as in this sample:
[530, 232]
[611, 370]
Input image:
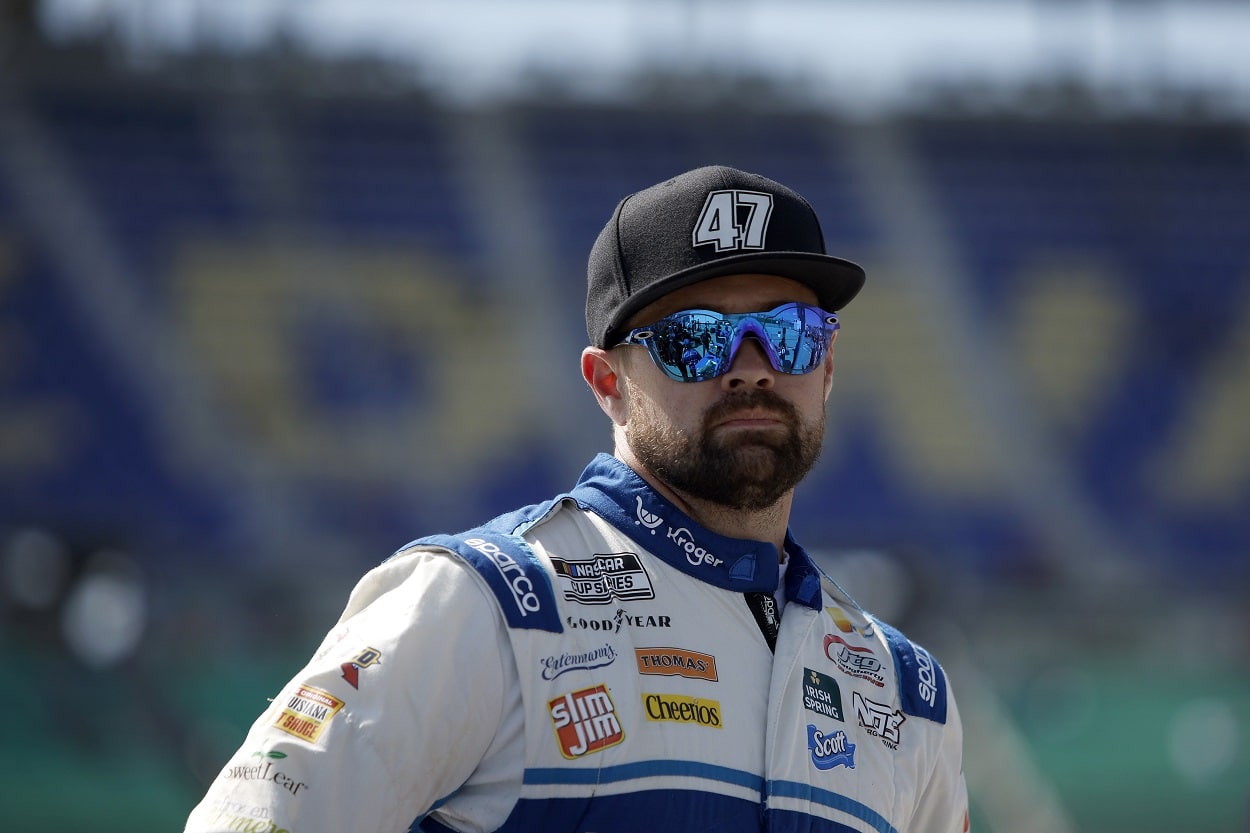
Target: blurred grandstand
[265, 318]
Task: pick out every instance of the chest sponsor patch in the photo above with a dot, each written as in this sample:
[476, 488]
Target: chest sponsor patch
[585, 721]
[679, 708]
[676, 662]
[604, 578]
[557, 664]
[830, 749]
[307, 712]
[821, 694]
[879, 720]
[855, 660]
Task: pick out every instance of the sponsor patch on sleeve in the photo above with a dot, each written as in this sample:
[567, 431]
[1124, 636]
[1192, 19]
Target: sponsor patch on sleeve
[921, 681]
[307, 713]
[515, 575]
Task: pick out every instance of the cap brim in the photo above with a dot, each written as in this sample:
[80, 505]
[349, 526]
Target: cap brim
[834, 280]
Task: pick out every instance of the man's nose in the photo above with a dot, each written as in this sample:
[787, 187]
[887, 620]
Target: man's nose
[750, 367]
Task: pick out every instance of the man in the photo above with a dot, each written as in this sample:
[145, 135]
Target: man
[652, 650]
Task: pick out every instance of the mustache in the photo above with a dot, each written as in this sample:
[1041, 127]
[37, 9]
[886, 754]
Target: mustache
[755, 400]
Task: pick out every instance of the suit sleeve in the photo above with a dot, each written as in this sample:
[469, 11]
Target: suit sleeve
[942, 804]
[395, 711]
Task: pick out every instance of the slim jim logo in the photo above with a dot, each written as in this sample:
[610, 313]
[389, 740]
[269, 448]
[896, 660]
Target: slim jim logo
[307, 713]
[585, 721]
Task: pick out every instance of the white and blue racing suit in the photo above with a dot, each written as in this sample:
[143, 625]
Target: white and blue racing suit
[598, 664]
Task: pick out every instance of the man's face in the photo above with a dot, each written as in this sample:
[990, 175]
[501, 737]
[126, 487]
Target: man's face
[741, 440]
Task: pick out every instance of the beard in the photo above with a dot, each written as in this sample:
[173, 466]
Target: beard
[742, 470]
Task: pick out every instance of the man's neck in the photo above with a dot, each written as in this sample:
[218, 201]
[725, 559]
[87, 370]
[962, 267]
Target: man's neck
[768, 524]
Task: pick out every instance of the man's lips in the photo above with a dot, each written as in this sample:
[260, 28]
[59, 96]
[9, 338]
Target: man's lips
[751, 419]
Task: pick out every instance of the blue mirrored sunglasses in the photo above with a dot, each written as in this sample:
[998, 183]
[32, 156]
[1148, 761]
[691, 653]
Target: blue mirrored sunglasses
[698, 344]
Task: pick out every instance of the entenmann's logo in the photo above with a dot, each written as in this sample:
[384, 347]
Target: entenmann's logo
[554, 666]
[678, 708]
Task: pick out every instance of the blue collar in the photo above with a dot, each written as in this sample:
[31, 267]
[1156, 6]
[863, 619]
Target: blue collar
[615, 492]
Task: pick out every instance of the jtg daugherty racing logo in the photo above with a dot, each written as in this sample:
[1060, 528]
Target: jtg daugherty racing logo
[681, 537]
[855, 660]
[513, 575]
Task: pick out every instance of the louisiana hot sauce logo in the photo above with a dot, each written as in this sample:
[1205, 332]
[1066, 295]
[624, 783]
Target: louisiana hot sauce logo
[585, 721]
[307, 712]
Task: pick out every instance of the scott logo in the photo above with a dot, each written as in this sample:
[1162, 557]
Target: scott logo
[829, 751]
[513, 575]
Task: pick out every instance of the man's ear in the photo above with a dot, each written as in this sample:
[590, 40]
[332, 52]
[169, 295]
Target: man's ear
[601, 372]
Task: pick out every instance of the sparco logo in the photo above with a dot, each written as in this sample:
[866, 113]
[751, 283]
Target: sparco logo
[522, 590]
[695, 554]
[927, 687]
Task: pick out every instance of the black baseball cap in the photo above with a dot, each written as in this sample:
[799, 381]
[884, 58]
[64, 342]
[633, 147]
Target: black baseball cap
[707, 223]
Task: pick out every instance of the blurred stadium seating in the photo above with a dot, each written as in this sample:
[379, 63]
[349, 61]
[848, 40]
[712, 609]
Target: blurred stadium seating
[255, 336]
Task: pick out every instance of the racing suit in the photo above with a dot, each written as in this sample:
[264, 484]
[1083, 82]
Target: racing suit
[594, 664]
